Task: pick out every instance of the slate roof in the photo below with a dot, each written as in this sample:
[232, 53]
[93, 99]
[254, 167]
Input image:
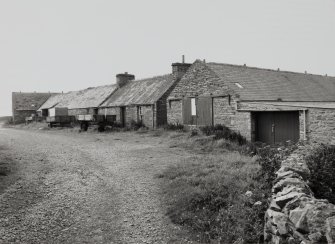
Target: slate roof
[141, 92]
[255, 84]
[29, 100]
[88, 98]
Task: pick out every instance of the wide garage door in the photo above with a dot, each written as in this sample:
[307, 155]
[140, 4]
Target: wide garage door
[277, 127]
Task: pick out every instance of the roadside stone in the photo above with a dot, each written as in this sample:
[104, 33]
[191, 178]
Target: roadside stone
[316, 237]
[302, 225]
[295, 164]
[330, 229]
[287, 182]
[286, 174]
[274, 206]
[248, 194]
[282, 200]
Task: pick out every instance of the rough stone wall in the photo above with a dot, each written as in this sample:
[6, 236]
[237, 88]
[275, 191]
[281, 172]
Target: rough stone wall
[147, 116]
[111, 111]
[294, 215]
[174, 112]
[198, 81]
[131, 115]
[224, 109]
[24, 104]
[20, 115]
[80, 111]
[162, 105]
[321, 125]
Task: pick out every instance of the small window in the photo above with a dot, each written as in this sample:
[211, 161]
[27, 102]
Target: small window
[193, 107]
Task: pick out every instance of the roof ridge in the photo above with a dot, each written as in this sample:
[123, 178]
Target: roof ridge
[268, 69]
[153, 77]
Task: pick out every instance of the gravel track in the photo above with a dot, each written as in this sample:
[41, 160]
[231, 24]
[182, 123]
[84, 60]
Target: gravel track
[86, 188]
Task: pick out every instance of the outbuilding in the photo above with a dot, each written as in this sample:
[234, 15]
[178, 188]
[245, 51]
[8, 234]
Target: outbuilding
[82, 102]
[265, 105]
[26, 104]
[144, 100]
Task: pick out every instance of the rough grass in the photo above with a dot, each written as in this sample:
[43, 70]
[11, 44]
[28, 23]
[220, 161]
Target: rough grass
[7, 170]
[207, 194]
[321, 163]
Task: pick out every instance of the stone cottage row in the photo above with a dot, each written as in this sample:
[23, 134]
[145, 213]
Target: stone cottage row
[265, 105]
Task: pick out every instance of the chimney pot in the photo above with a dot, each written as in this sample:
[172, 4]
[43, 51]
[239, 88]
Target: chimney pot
[183, 59]
[179, 69]
[122, 79]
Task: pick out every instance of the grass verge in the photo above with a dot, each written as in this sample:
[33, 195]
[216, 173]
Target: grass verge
[222, 193]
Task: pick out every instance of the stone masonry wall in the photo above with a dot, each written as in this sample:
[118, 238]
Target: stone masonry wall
[131, 114]
[225, 113]
[198, 81]
[80, 111]
[147, 116]
[174, 112]
[111, 111]
[295, 216]
[321, 125]
[20, 115]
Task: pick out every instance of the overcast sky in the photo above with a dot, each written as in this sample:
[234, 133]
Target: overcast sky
[65, 45]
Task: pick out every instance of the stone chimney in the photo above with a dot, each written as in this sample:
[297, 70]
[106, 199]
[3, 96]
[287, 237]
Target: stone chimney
[179, 69]
[122, 79]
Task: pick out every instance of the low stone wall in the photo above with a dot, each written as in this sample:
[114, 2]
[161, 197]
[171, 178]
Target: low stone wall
[295, 215]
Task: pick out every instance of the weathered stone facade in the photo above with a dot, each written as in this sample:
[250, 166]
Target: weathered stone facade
[81, 111]
[321, 125]
[224, 112]
[315, 123]
[146, 114]
[199, 81]
[175, 112]
[294, 215]
[25, 104]
[20, 115]
[111, 111]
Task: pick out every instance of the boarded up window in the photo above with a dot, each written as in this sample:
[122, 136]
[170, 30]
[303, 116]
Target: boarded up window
[204, 111]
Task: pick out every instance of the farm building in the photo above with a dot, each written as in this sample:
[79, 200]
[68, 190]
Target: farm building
[142, 100]
[271, 106]
[80, 102]
[25, 104]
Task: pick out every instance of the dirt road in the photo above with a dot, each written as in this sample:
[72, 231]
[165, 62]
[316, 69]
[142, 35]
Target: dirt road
[86, 188]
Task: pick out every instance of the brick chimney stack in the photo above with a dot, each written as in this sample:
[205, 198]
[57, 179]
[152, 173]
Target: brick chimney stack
[122, 79]
[179, 69]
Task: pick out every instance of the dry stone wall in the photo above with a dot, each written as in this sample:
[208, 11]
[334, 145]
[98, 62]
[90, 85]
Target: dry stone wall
[295, 215]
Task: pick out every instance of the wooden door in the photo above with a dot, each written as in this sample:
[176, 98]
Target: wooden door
[277, 127]
[265, 127]
[187, 117]
[286, 126]
[204, 111]
[123, 116]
